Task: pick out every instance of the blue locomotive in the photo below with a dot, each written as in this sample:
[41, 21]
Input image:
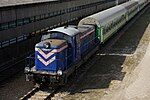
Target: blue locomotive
[62, 50]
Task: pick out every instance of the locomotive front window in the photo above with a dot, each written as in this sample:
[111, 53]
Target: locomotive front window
[60, 36]
[52, 36]
[44, 37]
[57, 35]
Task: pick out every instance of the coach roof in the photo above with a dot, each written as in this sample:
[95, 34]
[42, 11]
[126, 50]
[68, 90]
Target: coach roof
[103, 17]
[129, 5]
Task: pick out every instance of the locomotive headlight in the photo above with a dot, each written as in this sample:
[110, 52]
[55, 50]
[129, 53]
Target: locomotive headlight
[46, 45]
[27, 69]
[59, 72]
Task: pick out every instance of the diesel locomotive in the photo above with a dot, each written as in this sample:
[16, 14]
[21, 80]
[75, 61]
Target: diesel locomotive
[62, 50]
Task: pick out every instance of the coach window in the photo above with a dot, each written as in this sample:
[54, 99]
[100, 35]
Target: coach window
[109, 27]
[12, 24]
[119, 20]
[123, 17]
[4, 26]
[106, 30]
[116, 23]
[112, 25]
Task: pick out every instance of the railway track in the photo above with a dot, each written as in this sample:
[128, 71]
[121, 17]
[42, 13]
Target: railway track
[12, 67]
[43, 93]
[39, 93]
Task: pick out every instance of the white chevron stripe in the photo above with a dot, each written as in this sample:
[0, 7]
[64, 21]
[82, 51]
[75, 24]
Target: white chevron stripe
[50, 53]
[46, 62]
[45, 55]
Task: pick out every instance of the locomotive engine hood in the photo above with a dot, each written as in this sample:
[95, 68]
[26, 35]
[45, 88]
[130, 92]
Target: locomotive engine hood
[50, 55]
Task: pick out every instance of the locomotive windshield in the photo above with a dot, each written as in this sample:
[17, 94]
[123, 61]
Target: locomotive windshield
[44, 37]
[56, 35]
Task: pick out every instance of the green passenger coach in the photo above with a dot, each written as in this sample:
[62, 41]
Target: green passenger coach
[111, 20]
[106, 22]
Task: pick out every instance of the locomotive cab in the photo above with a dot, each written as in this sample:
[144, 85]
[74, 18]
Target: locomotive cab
[54, 56]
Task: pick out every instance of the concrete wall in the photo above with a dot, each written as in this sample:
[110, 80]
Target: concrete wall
[11, 18]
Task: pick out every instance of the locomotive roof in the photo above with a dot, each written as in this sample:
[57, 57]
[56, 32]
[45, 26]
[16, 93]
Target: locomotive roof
[68, 30]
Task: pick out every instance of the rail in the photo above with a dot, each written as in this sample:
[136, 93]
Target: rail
[39, 93]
